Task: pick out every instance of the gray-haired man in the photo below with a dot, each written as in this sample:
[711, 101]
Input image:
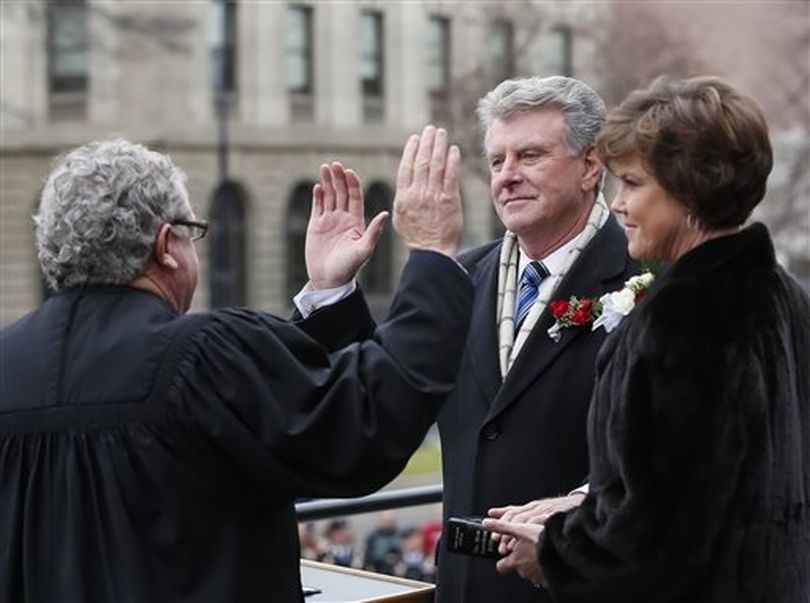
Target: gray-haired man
[514, 429]
[148, 454]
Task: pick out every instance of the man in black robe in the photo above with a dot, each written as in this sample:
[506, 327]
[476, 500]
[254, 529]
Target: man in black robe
[151, 455]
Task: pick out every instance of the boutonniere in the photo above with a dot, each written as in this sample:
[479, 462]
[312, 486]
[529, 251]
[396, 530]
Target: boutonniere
[572, 312]
[607, 311]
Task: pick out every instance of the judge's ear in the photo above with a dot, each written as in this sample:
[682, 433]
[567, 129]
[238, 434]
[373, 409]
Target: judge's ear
[162, 253]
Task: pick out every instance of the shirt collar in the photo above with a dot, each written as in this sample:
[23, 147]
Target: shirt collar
[553, 261]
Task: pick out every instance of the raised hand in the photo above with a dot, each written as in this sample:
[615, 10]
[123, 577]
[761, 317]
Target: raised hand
[427, 206]
[338, 242]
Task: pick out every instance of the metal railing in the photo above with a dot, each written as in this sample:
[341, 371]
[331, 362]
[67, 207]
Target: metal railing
[379, 501]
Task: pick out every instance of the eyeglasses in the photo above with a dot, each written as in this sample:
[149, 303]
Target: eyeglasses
[192, 229]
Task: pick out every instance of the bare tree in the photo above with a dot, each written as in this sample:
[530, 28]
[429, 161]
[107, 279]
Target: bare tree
[787, 207]
[632, 46]
[527, 20]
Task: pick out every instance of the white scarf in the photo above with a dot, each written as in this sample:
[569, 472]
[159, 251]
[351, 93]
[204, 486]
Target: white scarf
[510, 343]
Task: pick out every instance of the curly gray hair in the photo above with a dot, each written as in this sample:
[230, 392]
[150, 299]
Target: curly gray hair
[583, 109]
[100, 210]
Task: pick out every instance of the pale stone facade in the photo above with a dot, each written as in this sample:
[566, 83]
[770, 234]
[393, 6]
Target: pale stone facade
[148, 80]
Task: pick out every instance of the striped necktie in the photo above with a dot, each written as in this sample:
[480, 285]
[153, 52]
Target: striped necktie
[533, 275]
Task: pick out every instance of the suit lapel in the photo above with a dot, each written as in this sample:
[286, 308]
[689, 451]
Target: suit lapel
[604, 259]
[482, 342]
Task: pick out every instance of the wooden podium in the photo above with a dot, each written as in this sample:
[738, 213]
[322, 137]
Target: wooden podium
[343, 585]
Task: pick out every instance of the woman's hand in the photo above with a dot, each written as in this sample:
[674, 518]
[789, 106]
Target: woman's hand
[522, 549]
[535, 511]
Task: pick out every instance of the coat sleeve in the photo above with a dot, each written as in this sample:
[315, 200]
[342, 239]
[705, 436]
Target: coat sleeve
[340, 324]
[284, 414]
[670, 438]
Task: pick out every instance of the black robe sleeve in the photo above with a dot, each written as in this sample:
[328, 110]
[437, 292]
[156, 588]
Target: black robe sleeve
[297, 421]
[338, 325]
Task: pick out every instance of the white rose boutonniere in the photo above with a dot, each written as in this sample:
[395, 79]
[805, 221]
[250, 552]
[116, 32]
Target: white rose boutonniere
[607, 311]
[619, 304]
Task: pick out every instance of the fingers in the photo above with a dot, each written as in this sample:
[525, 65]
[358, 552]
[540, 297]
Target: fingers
[426, 161]
[505, 565]
[374, 232]
[317, 201]
[452, 173]
[355, 202]
[497, 512]
[328, 188]
[421, 166]
[509, 512]
[341, 187]
[524, 531]
[504, 528]
[405, 172]
[438, 160]
[507, 543]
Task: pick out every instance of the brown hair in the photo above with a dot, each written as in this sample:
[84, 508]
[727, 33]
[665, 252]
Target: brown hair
[706, 143]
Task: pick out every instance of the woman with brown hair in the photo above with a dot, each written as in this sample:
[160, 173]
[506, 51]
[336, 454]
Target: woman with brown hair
[699, 428]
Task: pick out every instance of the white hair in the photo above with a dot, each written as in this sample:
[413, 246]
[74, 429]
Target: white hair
[583, 109]
[100, 210]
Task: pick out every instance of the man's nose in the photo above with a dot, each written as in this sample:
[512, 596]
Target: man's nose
[510, 172]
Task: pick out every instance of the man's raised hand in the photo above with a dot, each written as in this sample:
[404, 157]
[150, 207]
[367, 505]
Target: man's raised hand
[338, 242]
[427, 206]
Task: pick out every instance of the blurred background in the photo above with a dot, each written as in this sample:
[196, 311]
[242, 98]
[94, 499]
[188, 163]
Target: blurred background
[249, 97]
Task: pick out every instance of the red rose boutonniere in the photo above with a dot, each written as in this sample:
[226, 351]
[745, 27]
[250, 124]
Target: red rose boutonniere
[573, 312]
[607, 311]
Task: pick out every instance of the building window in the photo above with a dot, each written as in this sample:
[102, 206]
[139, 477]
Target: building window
[67, 59]
[501, 49]
[438, 66]
[296, 230]
[299, 60]
[222, 39]
[371, 65]
[376, 275]
[562, 51]
[228, 246]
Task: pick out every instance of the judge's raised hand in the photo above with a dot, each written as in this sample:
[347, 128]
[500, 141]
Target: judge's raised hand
[338, 242]
[427, 206]
[522, 555]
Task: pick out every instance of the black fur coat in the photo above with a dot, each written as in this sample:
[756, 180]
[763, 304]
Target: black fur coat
[699, 435]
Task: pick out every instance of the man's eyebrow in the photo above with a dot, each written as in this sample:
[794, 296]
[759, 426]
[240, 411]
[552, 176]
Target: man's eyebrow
[530, 145]
[533, 145]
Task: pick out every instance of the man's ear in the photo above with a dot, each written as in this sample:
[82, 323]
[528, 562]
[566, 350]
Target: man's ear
[163, 255]
[593, 169]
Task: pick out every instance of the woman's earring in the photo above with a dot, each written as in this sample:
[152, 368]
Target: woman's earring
[692, 223]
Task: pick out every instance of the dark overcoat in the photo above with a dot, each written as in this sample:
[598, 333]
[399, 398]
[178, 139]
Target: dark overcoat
[699, 439]
[146, 456]
[512, 441]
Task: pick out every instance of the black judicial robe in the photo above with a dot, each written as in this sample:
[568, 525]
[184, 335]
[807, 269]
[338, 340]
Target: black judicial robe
[699, 436]
[146, 456]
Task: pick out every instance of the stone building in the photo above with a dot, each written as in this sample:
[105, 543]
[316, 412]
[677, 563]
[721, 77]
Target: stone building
[302, 83]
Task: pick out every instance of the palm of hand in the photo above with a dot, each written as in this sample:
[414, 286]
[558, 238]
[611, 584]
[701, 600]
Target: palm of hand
[338, 242]
[334, 248]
